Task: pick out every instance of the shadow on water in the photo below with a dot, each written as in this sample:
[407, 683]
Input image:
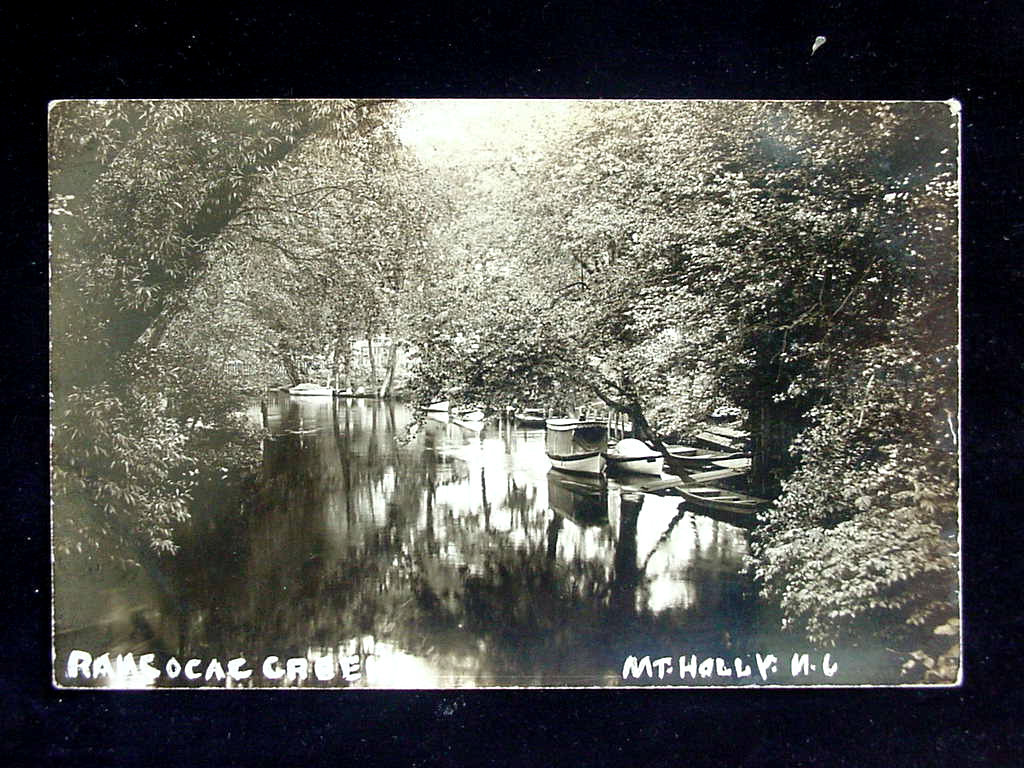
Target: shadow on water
[447, 560]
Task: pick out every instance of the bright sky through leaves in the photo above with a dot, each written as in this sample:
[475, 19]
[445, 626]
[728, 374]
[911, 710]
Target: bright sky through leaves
[438, 129]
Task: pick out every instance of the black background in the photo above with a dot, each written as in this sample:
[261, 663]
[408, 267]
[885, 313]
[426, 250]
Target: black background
[875, 50]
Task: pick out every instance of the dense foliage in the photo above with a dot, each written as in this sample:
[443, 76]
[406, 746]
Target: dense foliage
[142, 194]
[796, 262]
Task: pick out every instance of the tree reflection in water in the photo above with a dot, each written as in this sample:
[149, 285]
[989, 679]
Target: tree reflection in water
[450, 560]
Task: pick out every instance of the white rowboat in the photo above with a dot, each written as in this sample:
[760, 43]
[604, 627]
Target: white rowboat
[634, 457]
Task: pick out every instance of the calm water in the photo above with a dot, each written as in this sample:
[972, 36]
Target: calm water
[429, 555]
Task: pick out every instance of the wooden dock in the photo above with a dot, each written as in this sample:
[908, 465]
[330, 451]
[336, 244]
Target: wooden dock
[717, 441]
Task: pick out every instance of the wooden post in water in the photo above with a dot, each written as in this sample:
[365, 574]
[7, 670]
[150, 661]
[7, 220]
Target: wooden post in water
[373, 364]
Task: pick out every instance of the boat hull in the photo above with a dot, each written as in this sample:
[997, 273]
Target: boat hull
[311, 392]
[472, 421]
[576, 446]
[439, 407]
[739, 463]
[722, 501]
[640, 466]
[585, 464]
[683, 464]
[634, 457]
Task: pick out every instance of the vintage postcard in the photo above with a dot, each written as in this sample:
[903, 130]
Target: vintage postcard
[504, 393]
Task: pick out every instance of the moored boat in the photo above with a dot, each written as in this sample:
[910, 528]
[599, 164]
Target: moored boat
[441, 406]
[311, 390]
[682, 450]
[634, 457]
[471, 420]
[738, 463]
[722, 500]
[679, 463]
[577, 446]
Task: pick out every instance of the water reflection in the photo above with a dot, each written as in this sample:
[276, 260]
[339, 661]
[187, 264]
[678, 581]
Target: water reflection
[442, 557]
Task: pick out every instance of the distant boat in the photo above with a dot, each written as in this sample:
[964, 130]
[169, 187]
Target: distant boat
[471, 420]
[531, 417]
[576, 446]
[722, 500]
[634, 457]
[311, 390]
[441, 406]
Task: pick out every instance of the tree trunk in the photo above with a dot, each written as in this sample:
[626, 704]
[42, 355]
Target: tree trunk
[644, 430]
[348, 365]
[290, 369]
[389, 373]
[773, 424]
[336, 365]
[373, 363]
[774, 427]
[328, 357]
[627, 571]
[630, 404]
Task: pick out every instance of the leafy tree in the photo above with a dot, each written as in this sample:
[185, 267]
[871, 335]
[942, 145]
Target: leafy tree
[795, 259]
[141, 192]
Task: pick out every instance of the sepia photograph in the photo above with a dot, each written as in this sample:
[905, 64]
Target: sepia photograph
[498, 393]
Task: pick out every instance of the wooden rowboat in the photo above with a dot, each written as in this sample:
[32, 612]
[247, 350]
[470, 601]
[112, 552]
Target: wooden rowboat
[683, 463]
[739, 463]
[722, 500]
[470, 420]
[311, 390]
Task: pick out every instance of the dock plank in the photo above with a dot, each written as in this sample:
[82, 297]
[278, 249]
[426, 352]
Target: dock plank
[716, 440]
[716, 474]
[672, 483]
[735, 434]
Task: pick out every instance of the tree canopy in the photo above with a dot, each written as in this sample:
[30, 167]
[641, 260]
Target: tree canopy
[794, 261]
[797, 261]
[146, 198]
